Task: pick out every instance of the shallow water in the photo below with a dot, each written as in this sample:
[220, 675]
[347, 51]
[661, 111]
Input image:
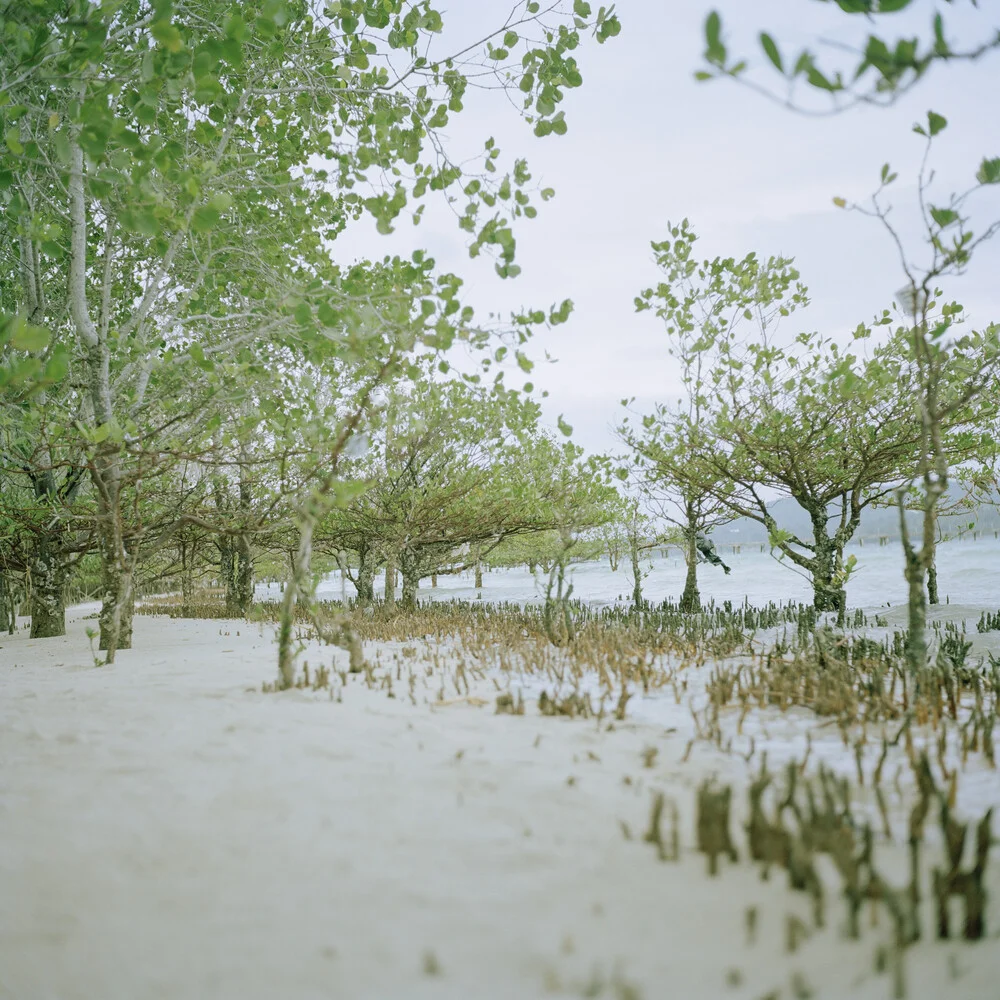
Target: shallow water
[968, 573]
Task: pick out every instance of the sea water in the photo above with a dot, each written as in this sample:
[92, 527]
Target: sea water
[968, 573]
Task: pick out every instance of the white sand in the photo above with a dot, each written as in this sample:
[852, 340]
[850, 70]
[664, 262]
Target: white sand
[166, 830]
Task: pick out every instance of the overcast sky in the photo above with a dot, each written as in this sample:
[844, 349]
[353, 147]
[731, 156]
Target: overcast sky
[647, 144]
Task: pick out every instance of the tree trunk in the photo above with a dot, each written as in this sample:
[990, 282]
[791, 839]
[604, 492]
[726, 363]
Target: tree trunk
[128, 615]
[411, 581]
[187, 577]
[106, 469]
[225, 542]
[342, 568]
[916, 636]
[409, 565]
[240, 600]
[828, 595]
[390, 582]
[117, 610]
[365, 584]
[227, 569]
[633, 544]
[48, 584]
[299, 589]
[932, 581]
[930, 558]
[106, 472]
[8, 609]
[914, 571]
[296, 584]
[479, 576]
[691, 598]
[116, 582]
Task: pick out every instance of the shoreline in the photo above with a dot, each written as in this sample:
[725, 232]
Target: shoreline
[964, 567]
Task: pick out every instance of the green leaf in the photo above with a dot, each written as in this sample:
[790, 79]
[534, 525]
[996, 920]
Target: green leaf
[715, 51]
[609, 28]
[713, 28]
[236, 28]
[167, 35]
[819, 81]
[943, 216]
[771, 49]
[61, 143]
[328, 316]
[989, 171]
[204, 219]
[560, 315]
[57, 366]
[27, 337]
[564, 427]
[12, 141]
[936, 122]
[141, 220]
[101, 433]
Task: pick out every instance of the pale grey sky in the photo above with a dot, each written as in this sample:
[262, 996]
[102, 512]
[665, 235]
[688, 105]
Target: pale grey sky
[647, 144]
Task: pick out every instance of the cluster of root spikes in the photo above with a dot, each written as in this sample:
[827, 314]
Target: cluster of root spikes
[858, 679]
[788, 828]
[774, 657]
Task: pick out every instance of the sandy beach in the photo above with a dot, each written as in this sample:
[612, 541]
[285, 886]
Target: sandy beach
[169, 831]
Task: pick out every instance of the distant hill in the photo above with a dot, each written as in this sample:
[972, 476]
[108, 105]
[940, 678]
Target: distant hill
[875, 521]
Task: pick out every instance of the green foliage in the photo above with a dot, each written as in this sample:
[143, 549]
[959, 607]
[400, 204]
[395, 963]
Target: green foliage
[458, 471]
[885, 69]
[185, 172]
[26, 365]
[812, 420]
[539, 550]
[944, 379]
